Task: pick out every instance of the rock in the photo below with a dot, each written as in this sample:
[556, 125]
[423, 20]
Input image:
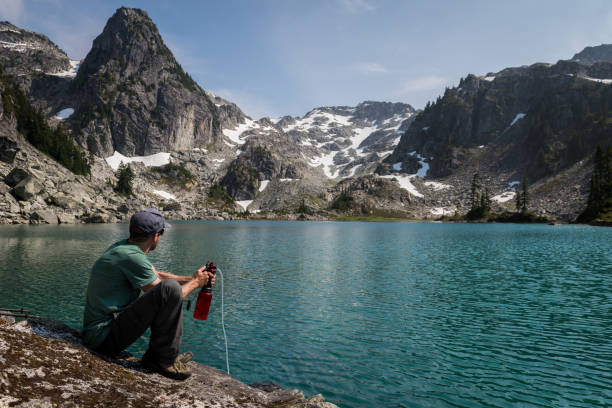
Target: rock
[8, 149]
[15, 176]
[43, 217]
[46, 356]
[64, 201]
[123, 209]
[173, 206]
[100, 218]
[66, 218]
[27, 189]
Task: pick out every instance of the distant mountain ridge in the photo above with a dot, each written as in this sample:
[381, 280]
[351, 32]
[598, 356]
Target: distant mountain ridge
[130, 97]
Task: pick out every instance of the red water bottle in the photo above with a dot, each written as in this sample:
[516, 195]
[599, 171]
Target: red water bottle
[205, 296]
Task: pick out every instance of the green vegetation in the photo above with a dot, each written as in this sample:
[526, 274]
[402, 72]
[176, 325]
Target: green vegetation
[480, 209]
[303, 208]
[599, 204]
[344, 201]
[125, 177]
[480, 201]
[518, 217]
[176, 174]
[32, 124]
[218, 193]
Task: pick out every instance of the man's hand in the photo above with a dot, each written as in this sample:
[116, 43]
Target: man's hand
[201, 276]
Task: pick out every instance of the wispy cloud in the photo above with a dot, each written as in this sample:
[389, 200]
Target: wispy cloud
[425, 83]
[357, 6]
[371, 68]
[13, 11]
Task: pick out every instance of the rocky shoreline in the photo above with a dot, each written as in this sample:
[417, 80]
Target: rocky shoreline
[44, 364]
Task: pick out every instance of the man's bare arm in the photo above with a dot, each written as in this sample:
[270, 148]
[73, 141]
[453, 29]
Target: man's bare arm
[188, 283]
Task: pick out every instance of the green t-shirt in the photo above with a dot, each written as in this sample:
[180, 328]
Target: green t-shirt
[114, 283]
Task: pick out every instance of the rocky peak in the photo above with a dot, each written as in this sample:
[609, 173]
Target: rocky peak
[135, 98]
[24, 52]
[131, 40]
[592, 55]
[372, 111]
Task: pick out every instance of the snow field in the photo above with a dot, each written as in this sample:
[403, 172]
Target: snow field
[158, 159]
[165, 194]
[263, 185]
[64, 113]
[244, 204]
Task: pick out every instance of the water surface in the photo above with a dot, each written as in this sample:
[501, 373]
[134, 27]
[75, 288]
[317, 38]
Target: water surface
[369, 314]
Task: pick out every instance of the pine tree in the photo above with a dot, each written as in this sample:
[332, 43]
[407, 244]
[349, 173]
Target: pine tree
[524, 195]
[475, 199]
[600, 196]
[125, 176]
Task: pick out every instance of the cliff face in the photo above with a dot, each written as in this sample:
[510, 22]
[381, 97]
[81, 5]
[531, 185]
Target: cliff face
[43, 364]
[135, 98]
[539, 120]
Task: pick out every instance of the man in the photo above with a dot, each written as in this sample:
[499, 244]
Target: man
[115, 315]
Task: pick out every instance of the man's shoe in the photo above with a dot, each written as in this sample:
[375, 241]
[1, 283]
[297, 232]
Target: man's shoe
[176, 370]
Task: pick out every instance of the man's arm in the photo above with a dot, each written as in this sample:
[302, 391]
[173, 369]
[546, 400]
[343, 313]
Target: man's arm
[182, 279]
[188, 283]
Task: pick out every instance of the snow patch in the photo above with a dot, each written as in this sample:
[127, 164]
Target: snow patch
[352, 173]
[244, 204]
[426, 128]
[234, 135]
[71, 73]
[603, 81]
[489, 78]
[289, 179]
[263, 185]
[405, 183]
[514, 183]
[439, 211]
[437, 186]
[505, 196]
[518, 117]
[397, 166]
[165, 194]
[481, 146]
[158, 159]
[64, 113]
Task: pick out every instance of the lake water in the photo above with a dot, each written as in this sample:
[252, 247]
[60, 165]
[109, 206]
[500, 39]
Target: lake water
[369, 314]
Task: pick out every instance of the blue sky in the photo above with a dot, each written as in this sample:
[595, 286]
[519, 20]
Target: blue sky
[286, 57]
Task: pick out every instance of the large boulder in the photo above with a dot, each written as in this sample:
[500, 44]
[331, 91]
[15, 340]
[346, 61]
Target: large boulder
[64, 201]
[43, 217]
[15, 176]
[8, 149]
[27, 189]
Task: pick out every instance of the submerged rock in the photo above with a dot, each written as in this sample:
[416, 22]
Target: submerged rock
[44, 364]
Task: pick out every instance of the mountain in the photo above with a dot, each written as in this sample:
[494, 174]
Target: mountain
[539, 122]
[196, 154]
[593, 55]
[132, 96]
[26, 52]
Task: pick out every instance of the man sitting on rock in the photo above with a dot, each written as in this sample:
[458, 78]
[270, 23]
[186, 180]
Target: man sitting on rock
[115, 315]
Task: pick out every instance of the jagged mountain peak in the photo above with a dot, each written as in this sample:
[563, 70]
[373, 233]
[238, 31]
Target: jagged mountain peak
[24, 52]
[592, 55]
[135, 98]
[132, 42]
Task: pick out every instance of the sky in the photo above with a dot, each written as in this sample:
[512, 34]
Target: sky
[287, 57]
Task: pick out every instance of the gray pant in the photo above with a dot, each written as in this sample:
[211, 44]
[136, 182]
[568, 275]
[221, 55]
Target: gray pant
[160, 308]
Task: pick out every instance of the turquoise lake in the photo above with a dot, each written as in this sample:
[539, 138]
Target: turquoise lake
[369, 314]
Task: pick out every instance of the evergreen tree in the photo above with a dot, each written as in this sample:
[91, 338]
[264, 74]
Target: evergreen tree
[125, 176]
[524, 195]
[475, 192]
[599, 204]
[518, 201]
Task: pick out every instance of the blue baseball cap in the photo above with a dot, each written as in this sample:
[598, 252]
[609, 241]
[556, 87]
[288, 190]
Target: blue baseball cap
[149, 221]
